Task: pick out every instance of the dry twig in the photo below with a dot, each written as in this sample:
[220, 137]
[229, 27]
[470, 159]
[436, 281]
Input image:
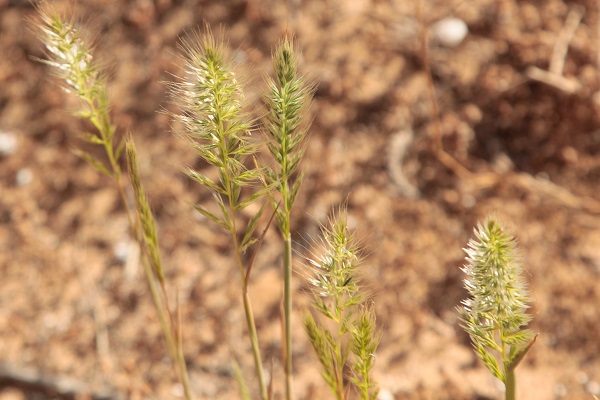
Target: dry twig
[554, 76]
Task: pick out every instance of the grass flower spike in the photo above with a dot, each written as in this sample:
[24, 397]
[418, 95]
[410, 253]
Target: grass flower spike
[72, 62]
[287, 100]
[217, 127]
[495, 315]
[347, 322]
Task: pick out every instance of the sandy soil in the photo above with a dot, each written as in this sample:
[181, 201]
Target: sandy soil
[73, 301]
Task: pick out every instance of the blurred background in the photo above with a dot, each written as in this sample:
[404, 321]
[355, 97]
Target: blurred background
[517, 134]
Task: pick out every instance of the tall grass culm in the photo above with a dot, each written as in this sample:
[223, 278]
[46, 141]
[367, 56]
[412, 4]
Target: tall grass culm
[287, 101]
[218, 128]
[495, 315]
[341, 325]
[71, 60]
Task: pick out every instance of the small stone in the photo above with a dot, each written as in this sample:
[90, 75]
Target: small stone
[593, 388]
[177, 390]
[560, 390]
[385, 395]
[121, 251]
[8, 144]
[450, 32]
[24, 177]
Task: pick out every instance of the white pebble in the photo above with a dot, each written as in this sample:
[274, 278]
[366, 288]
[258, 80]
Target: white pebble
[121, 251]
[177, 390]
[560, 390]
[450, 32]
[24, 177]
[8, 144]
[385, 395]
[593, 387]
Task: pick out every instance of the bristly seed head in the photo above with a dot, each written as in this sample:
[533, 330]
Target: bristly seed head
[498, 292]
[495, 313]
[68, 54]
[336, 267]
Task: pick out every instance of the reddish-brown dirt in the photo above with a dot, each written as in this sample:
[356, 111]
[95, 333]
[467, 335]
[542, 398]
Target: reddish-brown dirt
[73, 300]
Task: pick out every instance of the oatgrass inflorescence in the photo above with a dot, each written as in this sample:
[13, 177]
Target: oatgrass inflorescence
[72, 62]
[215, 124]
[287, 100]
[495, 313]
[346, 324]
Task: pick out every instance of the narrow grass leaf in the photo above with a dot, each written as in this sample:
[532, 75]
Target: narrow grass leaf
[247, 241]
[239, 378]
[517, 355]
[119, 149]
[259, 194]
[211, 216]
[203, 180]
[91, 138]
[296, 188]
[226, 219]
[93, 162]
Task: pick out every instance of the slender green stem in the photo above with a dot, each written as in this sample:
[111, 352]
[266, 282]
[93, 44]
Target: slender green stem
[152, 265]
[175, 333]
[287, 311]
[287, 287]
[287, 99]
[213, 118]
[156, 299]
[106, 131]
[245, 296]
[160, 304]
[175, 350]
[250, 321]
[511, 384]
[339, 367]
[287, 277]
[255, 346]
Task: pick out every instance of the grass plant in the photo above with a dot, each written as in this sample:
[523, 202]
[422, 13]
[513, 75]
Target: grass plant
[341, 324]
[218, 128]
[495, 315]
[287, 100]
[215, 124]
[341, 327]
[71, 60]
